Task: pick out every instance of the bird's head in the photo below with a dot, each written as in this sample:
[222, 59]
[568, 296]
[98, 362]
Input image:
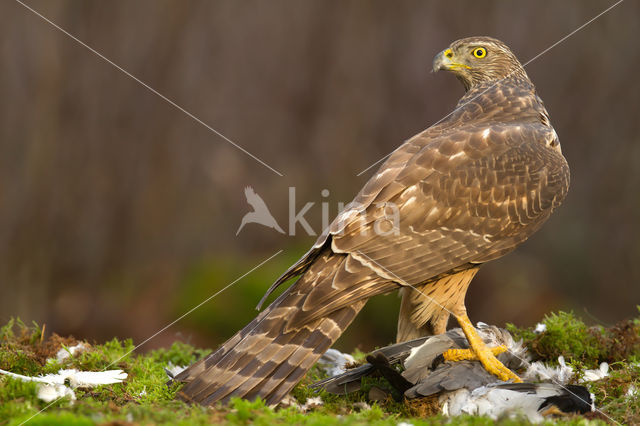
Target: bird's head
[476, 60]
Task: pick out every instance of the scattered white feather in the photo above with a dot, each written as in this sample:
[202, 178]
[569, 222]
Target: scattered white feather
[76, 378]
[494, 336]
[632, 391]
[405, 424]
[65, 353]
[362, 406]
[597, 374]
[311, 403]
[289, 401]
[540, 328]
[52, 386]
[81, 379]
[538, 371]
[48, 393]
[333, 362]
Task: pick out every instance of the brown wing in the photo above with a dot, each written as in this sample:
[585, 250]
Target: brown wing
[465, 197]
[272, 353]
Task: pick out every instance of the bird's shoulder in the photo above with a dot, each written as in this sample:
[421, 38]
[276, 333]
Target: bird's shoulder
[491, 172]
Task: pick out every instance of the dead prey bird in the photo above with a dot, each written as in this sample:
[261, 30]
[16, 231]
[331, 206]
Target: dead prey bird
[462, 387]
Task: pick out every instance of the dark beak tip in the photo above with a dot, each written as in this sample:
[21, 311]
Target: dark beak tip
[437, 63]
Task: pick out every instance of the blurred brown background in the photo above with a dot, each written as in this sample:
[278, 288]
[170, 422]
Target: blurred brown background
[118, 212]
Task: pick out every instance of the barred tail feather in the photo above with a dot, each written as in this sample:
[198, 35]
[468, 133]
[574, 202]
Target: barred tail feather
[269, 356]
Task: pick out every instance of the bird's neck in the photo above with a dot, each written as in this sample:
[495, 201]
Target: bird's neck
[500, 100]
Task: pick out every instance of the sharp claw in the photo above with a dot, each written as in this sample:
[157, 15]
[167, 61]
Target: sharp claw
[485, 355]
[459, 355]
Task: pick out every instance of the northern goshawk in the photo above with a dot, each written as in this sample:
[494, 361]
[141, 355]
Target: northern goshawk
[461, 193]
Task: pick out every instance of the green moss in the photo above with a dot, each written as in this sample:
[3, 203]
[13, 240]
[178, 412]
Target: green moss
[581, 345]
[17, 398]
[18, 361]
[25, 334]
[144, 398]
[54, 419]
[255, 412]
[178, 354]
[613, 394]
[568, 336]
[16, 338]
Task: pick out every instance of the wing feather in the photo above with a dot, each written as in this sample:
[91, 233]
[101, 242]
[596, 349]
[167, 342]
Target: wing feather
[459, 194]
[468, 196]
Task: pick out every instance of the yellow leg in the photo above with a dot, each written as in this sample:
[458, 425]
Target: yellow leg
[478, 350]
[469, 354]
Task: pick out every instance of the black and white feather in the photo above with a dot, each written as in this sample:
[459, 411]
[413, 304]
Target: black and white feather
[464, 387]
[421, 358]
[534, 401]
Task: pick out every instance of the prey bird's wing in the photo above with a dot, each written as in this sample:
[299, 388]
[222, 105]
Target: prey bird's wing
[349, 381]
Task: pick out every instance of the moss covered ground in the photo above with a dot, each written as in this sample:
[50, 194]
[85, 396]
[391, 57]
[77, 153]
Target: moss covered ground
[144, 398]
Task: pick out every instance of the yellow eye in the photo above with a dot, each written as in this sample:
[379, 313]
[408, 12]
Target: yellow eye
[480, 52]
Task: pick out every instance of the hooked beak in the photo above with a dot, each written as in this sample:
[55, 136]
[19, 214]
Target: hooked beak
[443, 61]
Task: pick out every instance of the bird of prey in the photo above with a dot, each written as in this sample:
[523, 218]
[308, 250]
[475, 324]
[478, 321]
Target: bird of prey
[463, 387]
[461, 193]
[260, 213]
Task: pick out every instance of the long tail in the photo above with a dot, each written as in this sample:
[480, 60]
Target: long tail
[272, 353]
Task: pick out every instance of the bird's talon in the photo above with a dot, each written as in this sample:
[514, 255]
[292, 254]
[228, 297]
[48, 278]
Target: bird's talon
[495, 367]
[459, 355]
[487, 356]
[469, 354]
